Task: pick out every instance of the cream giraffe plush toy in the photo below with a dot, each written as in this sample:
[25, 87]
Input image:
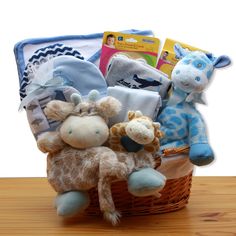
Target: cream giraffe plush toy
[77, 161]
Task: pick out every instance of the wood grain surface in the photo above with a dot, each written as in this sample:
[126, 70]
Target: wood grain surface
[26, 208]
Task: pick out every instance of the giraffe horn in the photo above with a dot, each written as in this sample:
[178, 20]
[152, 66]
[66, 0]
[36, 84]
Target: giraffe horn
[76, 98]
[157, 125]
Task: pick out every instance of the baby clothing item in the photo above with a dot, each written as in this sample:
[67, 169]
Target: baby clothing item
[136, 74]
[82, 75]
[41, 56]
[148, 102]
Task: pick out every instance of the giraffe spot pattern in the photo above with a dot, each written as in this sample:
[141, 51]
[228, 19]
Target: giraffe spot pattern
[180, 143]
[169, 133]
[122, 131]
[172, 126]
[183, 115]
[149, 149]
[170, 111]
[114, 130]
[195, 120]
[194, 131]
[175, 125]
[180, 106]
[181, 132]
[176, 120]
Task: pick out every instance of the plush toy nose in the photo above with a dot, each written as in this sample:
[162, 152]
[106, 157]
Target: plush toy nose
[84, 132]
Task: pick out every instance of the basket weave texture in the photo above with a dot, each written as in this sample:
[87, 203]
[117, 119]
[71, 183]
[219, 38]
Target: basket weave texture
[174, 196]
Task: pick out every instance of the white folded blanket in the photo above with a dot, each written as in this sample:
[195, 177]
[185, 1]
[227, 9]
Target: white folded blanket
[148, 102]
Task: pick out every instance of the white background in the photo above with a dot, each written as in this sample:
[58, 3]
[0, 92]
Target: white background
[209, 25]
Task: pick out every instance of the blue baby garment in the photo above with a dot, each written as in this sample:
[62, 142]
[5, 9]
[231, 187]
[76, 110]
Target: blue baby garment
[41, 56]
[79, 74]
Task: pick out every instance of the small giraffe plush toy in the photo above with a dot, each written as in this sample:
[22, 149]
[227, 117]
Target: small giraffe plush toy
[137, 140]
[180, 121]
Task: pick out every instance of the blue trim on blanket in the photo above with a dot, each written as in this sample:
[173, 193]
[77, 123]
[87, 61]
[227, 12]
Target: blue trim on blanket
[19, 47]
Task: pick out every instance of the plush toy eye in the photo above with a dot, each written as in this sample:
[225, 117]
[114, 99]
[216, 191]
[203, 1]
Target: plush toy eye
[197, 78]
[70, 131]
[199, 64]
[90, 110]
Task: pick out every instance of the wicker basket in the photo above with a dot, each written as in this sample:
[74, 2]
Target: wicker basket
[174, 196]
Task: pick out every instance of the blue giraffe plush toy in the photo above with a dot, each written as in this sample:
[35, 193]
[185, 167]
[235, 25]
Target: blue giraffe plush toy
[180, 121]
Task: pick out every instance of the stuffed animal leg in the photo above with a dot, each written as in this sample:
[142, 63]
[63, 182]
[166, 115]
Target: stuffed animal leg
[71, 203]
[200, 152]
[110, 169]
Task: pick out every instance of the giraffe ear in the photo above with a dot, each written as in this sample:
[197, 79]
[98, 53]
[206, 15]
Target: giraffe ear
[93, 95]
[76, 98]
[158, 133]
[109, 106]
[134, 114]
[58, 110]
[221, 61]
[138, 114]
[179, 51]
[157, 125]
[131, 115]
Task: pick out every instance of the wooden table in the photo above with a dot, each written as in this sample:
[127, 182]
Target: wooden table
[26, 209]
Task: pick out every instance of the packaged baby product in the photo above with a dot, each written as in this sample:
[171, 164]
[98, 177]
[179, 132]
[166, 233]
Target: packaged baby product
[168, 58]
[131, 45]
